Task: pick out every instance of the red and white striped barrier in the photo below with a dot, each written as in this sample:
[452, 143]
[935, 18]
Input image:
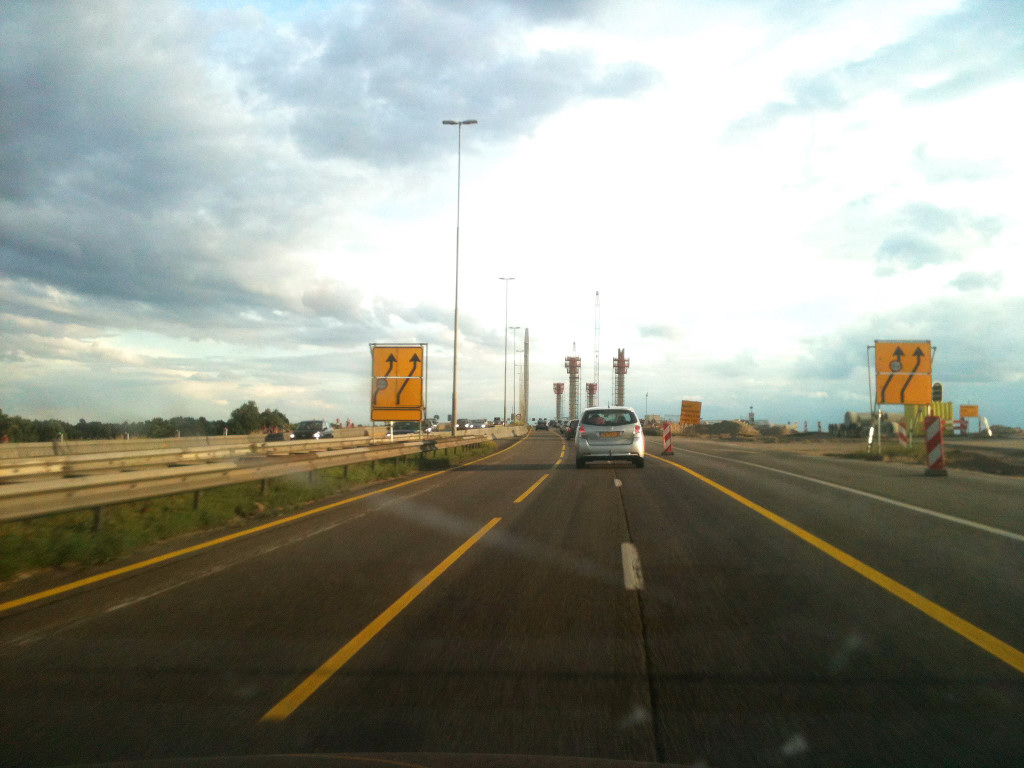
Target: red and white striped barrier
[933, 443]
[666, 439]
[903, 434]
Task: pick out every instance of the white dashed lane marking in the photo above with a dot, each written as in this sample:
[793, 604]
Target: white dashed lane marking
[632, 576]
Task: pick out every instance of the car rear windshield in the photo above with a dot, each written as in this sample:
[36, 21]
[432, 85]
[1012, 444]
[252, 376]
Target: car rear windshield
[609, 418]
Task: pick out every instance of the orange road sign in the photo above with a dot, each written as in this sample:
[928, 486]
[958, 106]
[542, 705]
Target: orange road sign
[397, 384]
[690, 412]
[903, 357]
[903, 372]
[969, 412]
[903, 389]
[404, 361]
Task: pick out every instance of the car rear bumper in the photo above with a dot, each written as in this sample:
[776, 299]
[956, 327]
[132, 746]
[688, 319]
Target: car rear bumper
[585, 450]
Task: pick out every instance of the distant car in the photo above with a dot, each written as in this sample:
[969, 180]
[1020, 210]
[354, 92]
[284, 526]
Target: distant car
[274, 437]
[405, 428]
[609, 434]
[413, 427]
[464, 424]
[479, 423]
[316, 429]
[570, 430]
[542, 424]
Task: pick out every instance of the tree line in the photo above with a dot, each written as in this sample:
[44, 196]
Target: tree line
[245, 419]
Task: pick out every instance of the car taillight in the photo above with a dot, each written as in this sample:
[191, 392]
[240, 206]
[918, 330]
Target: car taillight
[636, 429]
[581, 430]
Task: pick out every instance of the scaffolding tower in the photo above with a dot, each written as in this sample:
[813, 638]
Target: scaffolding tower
[572, 367]
[620, 364]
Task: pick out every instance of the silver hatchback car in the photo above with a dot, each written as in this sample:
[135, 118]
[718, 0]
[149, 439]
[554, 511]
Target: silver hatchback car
[609, 434]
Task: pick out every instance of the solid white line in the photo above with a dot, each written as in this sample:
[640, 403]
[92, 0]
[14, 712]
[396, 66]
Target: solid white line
[618, 483]
[632, 576]
[875, 497]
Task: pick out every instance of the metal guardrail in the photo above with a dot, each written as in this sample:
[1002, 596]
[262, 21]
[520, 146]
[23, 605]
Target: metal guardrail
[10, 452]
[29, 461]
[73, 465]
[36, 498]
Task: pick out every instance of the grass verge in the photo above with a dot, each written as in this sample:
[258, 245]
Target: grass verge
[915, 454]
[74, 538]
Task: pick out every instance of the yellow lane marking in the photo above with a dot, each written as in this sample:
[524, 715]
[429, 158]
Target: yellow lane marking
[307, 687]
[531, 489]
[37, 596]
[993, 645]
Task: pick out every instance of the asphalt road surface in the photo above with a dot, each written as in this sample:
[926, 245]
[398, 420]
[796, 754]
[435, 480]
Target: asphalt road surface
[723, 606]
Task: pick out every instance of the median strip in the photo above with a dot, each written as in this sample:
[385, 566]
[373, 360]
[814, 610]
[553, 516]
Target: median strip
[308, 687]
[979, 637]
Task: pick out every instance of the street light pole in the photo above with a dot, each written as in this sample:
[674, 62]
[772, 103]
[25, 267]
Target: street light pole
[455, 339]
[504, 392]
[514, 328]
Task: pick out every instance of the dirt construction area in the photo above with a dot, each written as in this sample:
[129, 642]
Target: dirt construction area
[1002, 455]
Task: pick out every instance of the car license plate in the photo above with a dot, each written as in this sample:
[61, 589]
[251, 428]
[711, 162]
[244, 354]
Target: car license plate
[610, 434]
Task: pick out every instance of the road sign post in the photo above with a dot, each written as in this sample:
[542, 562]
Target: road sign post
[903, 376]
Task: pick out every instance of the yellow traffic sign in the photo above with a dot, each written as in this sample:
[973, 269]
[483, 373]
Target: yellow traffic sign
[397, 393]
[397, 385]
[903, 388]
[968, 412]
[404, 361]
[903, 357]
[690, 412]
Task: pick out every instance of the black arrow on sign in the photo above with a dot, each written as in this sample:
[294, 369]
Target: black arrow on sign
[415, 360]
[918, 354]
[917, 364]
[881, 395]
[381, 385]
[895, 365]
[382, 382]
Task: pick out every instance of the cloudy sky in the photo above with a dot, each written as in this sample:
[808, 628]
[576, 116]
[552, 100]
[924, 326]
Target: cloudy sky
[207, 202]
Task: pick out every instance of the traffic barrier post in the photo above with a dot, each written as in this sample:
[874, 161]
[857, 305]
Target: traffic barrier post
[666, 439]
[903, 434]
[934, 447]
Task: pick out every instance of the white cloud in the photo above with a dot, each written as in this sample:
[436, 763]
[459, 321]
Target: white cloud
[207, 205]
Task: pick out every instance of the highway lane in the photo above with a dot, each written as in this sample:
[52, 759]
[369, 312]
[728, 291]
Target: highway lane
[746, 644]
[769, 650]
